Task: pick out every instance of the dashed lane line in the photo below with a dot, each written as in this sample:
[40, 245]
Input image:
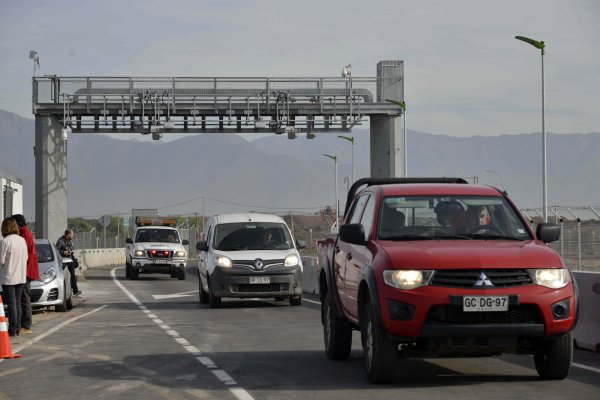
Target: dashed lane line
[239, 392]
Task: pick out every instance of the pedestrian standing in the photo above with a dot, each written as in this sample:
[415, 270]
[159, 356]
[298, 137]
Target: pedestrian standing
[13, 271]
[33, 273]
[65, 248]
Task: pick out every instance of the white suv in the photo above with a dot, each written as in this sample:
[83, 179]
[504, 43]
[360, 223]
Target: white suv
[249, 255]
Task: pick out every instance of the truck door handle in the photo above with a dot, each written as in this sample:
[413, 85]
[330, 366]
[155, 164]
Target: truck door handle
[349, 256]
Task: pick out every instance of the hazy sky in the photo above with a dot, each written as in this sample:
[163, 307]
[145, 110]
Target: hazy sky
[465, 73]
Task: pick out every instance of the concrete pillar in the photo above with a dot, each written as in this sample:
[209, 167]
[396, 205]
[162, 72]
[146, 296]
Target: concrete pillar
[50, 178]
[387, 142]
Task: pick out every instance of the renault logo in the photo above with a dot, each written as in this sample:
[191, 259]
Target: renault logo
[483, 281]
[258, 263]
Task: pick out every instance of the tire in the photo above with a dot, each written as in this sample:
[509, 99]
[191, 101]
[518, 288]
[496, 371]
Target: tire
[296, 300]
[337, 332]
[554, 357]
[203, 295]
[62, 307]
[173, 274]
[379, 351]
[213, 301]
[70, 302]
[135, 274]
[181, 275]
[127, 270]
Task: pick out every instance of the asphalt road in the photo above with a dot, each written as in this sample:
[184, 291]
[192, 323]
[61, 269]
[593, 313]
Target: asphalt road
[151, 339]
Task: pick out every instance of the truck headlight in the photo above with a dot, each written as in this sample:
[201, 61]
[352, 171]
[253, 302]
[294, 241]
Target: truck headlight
[224, 262]
[48, 276]
[552, 278]
[407, 279]
[291, 260]
[180, 253]
[139, 253]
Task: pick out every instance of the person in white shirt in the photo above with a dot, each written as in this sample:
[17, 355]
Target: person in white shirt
[13, 272]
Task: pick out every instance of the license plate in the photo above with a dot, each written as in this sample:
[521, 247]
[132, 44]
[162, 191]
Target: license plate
[485, 303]
[260, 279]
[160, 261]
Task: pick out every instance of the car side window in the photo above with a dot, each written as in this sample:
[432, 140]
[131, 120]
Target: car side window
[367, 216]
[357, 210]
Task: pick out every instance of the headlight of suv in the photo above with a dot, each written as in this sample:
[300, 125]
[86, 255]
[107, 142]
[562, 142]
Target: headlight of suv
[407, 279]
[48, 276]
[291, 260]
[224, 262]
[552, 278]
[139, 253]
[180, 253]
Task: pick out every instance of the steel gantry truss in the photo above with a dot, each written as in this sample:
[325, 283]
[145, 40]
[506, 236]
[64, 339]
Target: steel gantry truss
[187, 105]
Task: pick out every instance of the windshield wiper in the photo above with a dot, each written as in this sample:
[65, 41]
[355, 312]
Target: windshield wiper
[497, 237]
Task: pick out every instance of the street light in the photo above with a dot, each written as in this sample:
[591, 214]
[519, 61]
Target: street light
[402, 105]
[541, 46]
[351, 140]
[499, 177]
[337, 201]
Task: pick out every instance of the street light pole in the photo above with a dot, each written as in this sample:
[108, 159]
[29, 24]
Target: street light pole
[541, 46]
[351, 140]
[337, 201]
[499, 177]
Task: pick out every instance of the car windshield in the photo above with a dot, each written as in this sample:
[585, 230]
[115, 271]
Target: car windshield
[157, 235]
[45, 253]
[450, 218]
[252, 236]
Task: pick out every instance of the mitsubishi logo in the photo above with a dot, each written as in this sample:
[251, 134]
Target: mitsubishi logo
[258, 263]
[483, 281]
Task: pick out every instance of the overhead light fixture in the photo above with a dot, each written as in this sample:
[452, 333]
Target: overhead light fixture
[260, 123]
[347, 71]
[169, 124]
[64, 132]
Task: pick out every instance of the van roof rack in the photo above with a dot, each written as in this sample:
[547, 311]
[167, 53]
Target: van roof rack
[392, 181]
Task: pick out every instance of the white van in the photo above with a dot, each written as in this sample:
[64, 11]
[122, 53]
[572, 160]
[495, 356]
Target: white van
[249, 255]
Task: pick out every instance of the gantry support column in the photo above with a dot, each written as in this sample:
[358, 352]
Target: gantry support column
[387, 143]
[50, 178]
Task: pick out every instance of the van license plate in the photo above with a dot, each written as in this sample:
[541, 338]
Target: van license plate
[260, 279]
[485, 303]
[160, 261]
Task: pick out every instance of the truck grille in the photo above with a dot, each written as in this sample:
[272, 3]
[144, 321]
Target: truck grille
[159, 253]
[521, 314]
[251, 264]
[263, 288]
[466, 278]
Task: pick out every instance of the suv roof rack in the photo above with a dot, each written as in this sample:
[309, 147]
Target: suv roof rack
[391, 181]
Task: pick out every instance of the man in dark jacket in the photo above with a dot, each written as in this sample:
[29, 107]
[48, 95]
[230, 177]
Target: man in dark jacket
[65, 248]
[33, 273]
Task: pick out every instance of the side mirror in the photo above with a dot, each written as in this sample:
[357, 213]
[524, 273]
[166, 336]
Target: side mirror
[129, 241]
[548, 233]
[202, 245]
[352, 233]
[185, 242]
[301, 244]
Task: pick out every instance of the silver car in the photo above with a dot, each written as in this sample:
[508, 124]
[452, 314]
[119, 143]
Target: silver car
[54, 286]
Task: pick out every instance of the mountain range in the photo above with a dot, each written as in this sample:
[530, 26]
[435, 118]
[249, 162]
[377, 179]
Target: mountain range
[218, 172]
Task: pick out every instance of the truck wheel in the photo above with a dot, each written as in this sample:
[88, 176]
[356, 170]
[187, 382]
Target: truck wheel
[379, 351]
[135, 274]
[173, 274]
[127, 270]
[213, 301]
[337, 333]
[553, 358]
[296, 300]
[203, 293]
[181, 274]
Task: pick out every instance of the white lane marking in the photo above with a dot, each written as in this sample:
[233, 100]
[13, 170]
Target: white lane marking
[151, 316]
[56, 328]
[238, 392]
[596, 370]
[311, 301]
[158, 321]
[173, 296]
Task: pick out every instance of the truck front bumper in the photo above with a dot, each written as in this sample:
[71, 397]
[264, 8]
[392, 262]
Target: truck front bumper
[145, 265]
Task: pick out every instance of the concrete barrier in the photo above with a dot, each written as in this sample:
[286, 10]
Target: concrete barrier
[587, 331]
[310, 283]
[94, 258]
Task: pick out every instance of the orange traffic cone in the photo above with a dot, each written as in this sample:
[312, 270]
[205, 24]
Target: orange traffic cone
[5, 349]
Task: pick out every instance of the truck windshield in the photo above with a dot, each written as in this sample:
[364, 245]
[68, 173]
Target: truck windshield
[450, 217]
[157, 235]
[252, 236]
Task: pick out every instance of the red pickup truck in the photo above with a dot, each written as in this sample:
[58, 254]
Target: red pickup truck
[437, 266]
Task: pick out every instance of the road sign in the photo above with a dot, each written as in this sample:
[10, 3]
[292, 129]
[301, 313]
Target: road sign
[126, 223]
[104, 221]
